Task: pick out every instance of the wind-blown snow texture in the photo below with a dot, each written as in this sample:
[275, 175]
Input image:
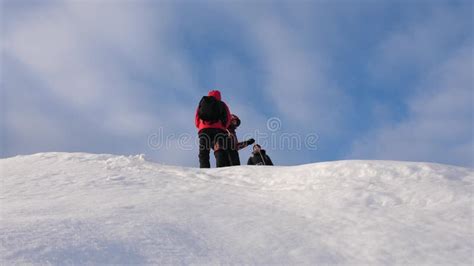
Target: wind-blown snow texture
[79, 208]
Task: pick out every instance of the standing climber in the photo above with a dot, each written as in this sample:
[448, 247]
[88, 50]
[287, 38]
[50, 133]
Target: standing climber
[212, 120]
[259, 157]
[235, 145]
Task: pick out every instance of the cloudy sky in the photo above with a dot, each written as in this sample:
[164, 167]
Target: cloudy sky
[371, 79]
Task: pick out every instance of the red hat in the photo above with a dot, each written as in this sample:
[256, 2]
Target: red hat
[216, 94]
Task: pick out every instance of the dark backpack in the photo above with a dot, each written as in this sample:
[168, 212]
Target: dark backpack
[212, 110]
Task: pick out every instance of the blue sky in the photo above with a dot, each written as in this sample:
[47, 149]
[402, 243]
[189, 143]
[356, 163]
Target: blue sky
[373, 79]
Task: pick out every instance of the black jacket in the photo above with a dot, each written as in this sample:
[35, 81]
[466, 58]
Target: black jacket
[260, 158]
[234, 143]
[235, 146]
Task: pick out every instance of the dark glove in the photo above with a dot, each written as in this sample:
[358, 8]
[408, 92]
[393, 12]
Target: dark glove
[250, 141]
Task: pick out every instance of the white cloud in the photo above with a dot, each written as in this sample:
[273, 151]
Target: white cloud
[295, 75]
[418, 42]
[436, 51]
[83, 55]
[440, 124]
[122, 70]
[297, 81]
[34, 129]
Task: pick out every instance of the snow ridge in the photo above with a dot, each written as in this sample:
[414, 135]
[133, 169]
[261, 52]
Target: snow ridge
[77, 208]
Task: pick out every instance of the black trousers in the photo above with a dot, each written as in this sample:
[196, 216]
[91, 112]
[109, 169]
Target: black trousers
[234, 157]
[216, 139]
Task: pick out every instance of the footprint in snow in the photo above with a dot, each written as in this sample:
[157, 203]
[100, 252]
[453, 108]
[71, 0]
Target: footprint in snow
[116, 178]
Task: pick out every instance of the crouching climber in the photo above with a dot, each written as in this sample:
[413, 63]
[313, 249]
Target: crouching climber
[259, 157]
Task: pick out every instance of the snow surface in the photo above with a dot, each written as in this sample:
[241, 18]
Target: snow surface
[63, 208]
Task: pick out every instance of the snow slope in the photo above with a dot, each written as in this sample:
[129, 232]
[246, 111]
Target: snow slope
[62, 208]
